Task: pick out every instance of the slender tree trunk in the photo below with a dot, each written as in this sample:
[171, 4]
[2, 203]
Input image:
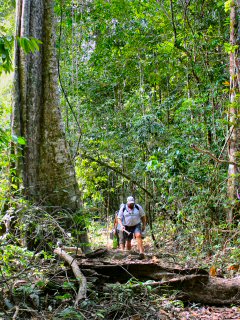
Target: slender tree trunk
[233, 144]
[45, 165]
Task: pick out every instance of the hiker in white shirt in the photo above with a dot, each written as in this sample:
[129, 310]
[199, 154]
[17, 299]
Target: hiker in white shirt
[132, 219]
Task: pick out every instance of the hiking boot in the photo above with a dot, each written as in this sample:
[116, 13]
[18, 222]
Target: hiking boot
[141, 256]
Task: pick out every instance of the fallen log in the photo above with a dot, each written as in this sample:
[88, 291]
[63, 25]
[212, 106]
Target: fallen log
[212, 290]
[198, 289]
[203, 289]
[143, 271]
[193, 284]
[74, 250]
[78, 274]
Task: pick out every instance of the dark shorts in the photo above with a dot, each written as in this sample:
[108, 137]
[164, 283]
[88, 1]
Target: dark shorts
[123, 236]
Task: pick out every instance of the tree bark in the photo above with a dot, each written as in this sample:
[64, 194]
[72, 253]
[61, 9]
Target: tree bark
[45, 165]
[233, 142]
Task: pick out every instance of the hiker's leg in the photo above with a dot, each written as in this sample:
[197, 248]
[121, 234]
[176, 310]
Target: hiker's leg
[128, 245]
[138, 236]
[121, 240]
[139, 242]
[118, 240]
[128, 237]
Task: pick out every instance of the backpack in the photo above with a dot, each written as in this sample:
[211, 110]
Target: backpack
[125, 206]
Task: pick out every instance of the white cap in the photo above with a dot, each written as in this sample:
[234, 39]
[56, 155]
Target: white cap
[130, 200]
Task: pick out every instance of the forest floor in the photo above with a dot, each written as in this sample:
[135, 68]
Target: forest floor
[47, 289]
[167, 306]
[148, 305]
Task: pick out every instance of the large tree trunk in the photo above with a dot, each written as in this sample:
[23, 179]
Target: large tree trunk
[233, 144]
[45, 165]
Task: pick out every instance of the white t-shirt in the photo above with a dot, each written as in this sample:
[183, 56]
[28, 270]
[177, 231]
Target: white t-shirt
[131, 217]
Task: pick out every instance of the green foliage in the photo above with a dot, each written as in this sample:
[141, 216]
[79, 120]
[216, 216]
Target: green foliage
[6, 43]
[19, 140]
[29, 45]
[228, 4]
[6, 35]
[145, 84]
[13, 258]
[64, 297]
[69, 313]
[143, 94]
[143, 98]
[230, 48]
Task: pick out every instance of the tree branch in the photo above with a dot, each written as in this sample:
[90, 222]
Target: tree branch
[179, 46]
[82, 292]
[119, 172]
[225, 143]
[212, 155]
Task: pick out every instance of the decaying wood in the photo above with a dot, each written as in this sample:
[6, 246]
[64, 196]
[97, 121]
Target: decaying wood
[201, 289]
[82, 292]
[97, 253]
[75, 250]
[215, 291]
[143, 271]
[193, 284]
